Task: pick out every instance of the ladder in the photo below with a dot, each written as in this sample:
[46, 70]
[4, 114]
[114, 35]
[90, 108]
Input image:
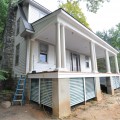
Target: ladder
[19, 95]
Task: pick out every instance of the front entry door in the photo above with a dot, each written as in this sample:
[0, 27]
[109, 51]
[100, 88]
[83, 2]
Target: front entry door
[75, 62]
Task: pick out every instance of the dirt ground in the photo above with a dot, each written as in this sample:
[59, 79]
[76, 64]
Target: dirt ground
[107, 109]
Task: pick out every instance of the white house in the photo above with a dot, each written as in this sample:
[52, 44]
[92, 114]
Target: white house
[59, 55]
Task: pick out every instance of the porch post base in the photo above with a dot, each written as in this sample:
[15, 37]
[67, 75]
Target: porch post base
[98, 89]
[110, 89]
[61, 97]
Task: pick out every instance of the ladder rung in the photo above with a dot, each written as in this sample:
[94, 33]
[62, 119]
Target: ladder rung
[18, 94]
[17, 100]
[20, 84]
[22, 79]
[20, 89]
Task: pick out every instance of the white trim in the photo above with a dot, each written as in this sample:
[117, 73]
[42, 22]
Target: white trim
[66, 74]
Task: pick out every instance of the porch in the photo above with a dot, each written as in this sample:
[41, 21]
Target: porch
[63, 86]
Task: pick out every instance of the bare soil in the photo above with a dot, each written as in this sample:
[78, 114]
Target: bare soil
[106, 109]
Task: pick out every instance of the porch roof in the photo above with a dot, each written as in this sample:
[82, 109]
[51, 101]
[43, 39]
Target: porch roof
[71, 24]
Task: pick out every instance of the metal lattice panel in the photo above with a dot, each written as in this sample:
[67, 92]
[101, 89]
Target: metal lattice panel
[34, 90]
[116, 82]
[46, 92]
[90, 88]
[76, 91]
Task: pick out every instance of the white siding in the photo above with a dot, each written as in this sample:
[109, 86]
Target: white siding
[34, 14]
[36, 64]
[51, 64]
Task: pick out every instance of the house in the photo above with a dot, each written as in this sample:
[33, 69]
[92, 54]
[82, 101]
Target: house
[59, 55]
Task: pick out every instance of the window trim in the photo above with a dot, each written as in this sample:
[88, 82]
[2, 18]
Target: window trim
[17, 54]
[42, 43]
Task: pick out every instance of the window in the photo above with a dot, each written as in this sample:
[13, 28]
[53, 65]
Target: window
[87, 61]
[43, 52]
[18, 26]
[17, 54]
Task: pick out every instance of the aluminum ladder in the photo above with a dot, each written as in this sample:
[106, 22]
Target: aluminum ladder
[19, 95]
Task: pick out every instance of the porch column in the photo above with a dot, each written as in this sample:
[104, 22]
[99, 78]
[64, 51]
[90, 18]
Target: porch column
[109, 84]
[58, 47]
[116, 64]
[93, 57]
[107, 61]
[63, 50]
[28, 55]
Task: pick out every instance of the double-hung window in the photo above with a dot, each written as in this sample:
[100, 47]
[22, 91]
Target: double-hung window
[43, 53]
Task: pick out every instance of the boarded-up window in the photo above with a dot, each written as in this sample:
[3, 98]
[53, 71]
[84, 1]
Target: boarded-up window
[17, 54]
[18, 26]
[43, 52]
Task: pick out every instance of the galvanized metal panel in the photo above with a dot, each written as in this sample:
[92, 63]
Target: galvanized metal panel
[116, 82]
[46, 92]
[34, 96]
[90, 88]
[76, 91]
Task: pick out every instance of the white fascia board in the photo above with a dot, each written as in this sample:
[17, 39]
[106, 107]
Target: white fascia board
[70, 75]
[95, 38]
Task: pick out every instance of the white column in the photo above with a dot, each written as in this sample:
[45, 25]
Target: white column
[63, 50]
[116, 64]
[93, 57]
[107, 61]
[58, 47]
[28, 55]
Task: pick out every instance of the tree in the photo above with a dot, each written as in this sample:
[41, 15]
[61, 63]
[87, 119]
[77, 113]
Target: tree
[112, 36]
[72, 7]
[94, 5]
[3, 15]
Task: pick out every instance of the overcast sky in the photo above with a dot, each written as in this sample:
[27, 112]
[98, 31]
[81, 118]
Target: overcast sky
[106, 17]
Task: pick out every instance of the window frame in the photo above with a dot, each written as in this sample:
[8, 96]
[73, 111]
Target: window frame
[87, 63]
[18, 27]
[17, 54]
[43, 53]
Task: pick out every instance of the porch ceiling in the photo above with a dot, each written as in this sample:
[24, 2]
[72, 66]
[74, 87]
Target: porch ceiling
[73, 40]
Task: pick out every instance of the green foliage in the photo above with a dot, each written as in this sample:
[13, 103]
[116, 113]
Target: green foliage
[3, 15]
[3, 75]
[112, 36]
[94, 5]
[72, 7]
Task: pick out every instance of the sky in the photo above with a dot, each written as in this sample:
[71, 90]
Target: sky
[105, 18]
